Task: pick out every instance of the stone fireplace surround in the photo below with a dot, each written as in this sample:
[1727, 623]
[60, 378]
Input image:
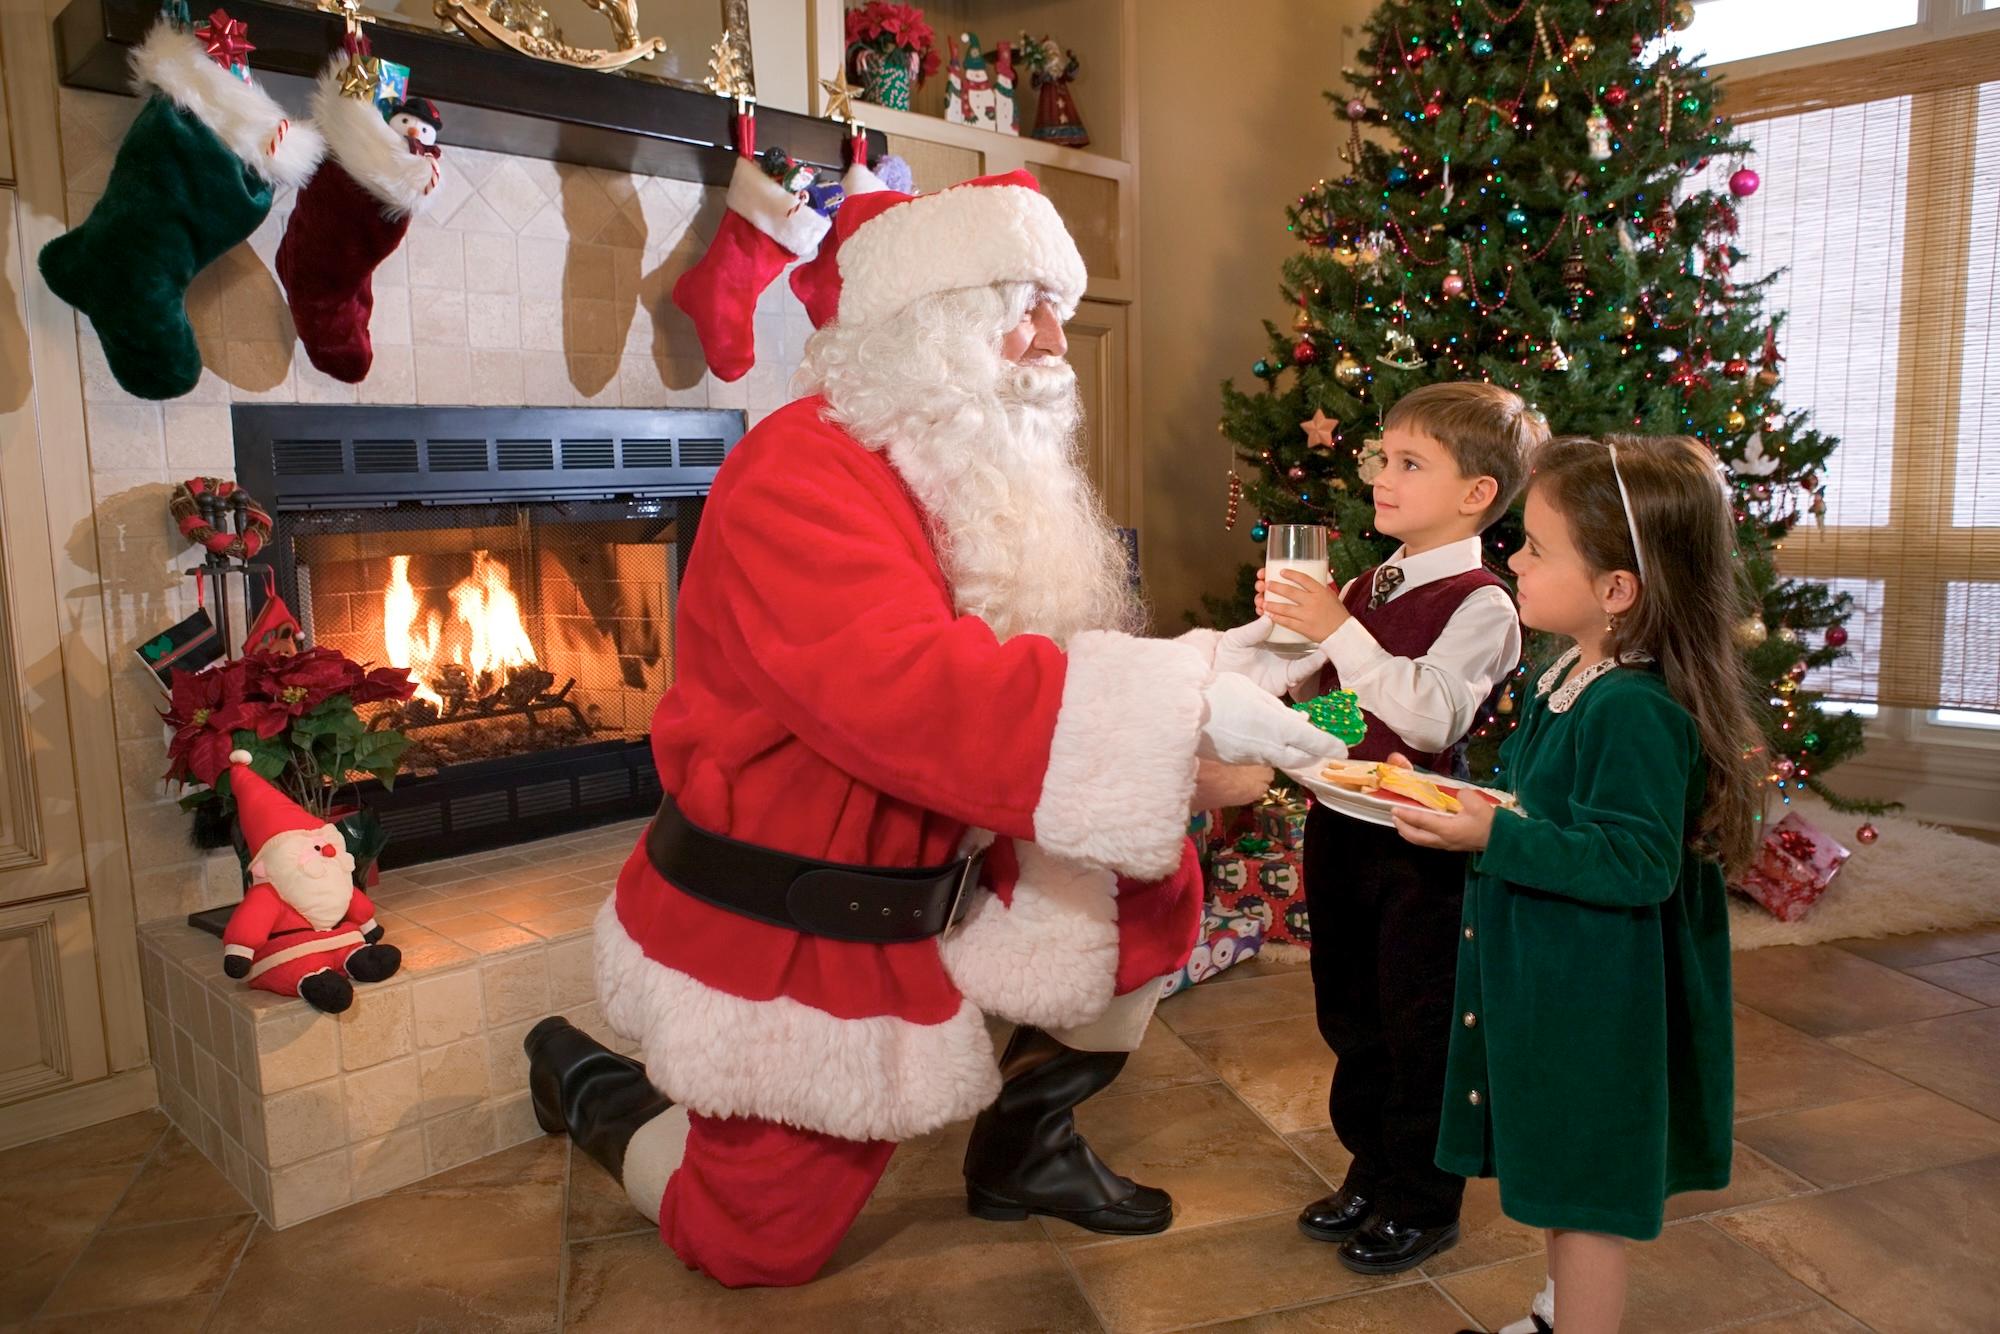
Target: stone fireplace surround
[527, 283]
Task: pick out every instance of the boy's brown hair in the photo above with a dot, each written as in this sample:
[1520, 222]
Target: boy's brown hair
[1487, 430]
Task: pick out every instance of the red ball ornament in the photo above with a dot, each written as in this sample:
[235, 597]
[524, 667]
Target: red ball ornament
[1868, 833]
[1798, 671]
[1452, 284]
[1736, 368]
[1419, 54]
[1638, 45]
[1432, 110]
[1615, 95]
[1296, 473]
[1744, 183]
[1784, 768]
[1357, 110]
[1304, 353]
[1836, 636]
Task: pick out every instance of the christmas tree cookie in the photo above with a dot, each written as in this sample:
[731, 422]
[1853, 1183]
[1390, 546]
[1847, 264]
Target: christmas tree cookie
[1336, 712]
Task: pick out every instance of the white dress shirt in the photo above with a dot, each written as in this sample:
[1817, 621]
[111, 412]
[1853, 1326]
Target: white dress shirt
[1433, 700]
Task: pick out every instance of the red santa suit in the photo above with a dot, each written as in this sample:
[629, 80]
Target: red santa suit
[303, 914]
[829, 702]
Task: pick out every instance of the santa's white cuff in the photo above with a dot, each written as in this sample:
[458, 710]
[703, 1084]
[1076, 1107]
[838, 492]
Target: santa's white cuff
[1122, 760]
[240, 951]
[774, 210]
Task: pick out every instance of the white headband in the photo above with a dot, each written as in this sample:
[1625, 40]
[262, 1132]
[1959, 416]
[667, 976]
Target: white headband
[1625, 499]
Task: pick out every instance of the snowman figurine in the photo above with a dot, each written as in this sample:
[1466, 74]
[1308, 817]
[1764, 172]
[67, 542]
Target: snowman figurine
[1597, 129]
[417, 120]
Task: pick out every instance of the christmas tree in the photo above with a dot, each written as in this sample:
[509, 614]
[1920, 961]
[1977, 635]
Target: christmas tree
[1554, 210]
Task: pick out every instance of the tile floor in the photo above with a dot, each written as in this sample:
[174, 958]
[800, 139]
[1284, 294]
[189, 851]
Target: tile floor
[1867, 1170]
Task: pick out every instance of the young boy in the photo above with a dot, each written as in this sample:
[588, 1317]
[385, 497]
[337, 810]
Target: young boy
[1422, 640]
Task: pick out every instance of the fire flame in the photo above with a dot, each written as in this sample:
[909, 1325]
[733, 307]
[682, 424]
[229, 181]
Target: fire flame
[486, 637]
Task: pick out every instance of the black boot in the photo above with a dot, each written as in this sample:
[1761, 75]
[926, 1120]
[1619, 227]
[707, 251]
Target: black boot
[1026, 1157]
[374, 963]
[582, 1088]
[327, 991]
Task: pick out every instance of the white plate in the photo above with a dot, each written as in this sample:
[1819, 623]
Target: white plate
[1379, 806]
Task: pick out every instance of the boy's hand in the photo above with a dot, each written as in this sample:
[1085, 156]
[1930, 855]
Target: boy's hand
[1302, 603]
[1467, 830]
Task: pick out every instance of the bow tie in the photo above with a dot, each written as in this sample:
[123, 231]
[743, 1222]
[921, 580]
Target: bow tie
[1387, 580]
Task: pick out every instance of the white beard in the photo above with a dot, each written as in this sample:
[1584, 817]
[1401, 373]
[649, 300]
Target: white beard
[989, 448]
[319, 888]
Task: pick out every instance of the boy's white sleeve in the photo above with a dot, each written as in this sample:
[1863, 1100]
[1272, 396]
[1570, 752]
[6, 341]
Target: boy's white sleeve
[1433, 700]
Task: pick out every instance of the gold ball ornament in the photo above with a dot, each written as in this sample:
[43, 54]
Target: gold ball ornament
[1737, 421]
[1627, 321]
[1546, 100]
[1752, 631]
[1347, 370]
[1683, 15]
[1346, 256]
[1767, 378]
[1582, 48]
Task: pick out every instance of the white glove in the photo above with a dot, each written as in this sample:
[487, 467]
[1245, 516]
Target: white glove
[1246, 725]
[1243, 652]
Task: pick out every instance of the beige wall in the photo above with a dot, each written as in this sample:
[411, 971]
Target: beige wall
[1231, 127]
[525, 283]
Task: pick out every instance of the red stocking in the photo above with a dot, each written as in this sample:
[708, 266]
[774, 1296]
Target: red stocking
[766, 228]
[349, 217]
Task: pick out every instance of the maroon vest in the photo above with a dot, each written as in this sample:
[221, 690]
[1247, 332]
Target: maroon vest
[1406, 627]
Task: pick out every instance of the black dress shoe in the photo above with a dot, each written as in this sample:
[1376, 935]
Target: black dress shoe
[1336, 1217]
[1385, 1246]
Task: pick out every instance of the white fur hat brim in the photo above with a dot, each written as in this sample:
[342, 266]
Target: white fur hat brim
[243, 116]
[972, 235]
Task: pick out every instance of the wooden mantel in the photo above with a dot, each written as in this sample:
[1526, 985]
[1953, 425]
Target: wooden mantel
[491, 100]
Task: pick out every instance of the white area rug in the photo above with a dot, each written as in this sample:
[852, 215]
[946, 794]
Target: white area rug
[1915, 877]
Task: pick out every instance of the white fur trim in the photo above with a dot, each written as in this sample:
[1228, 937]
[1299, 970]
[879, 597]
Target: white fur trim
[967, 236]
[369, 925]
[1121, 764]
[652, 1157]
[884, 1078]
[1048, 958]
[241, 951]
[773, 210]
[378, 158]
[270, 141]
[859, 180]
[240, 757]
[1204, 642]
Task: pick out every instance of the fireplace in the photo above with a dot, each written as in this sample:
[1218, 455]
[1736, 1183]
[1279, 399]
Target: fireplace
[523, 564]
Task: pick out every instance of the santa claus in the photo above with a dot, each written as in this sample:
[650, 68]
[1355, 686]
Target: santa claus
[921, 768]
[303, 928]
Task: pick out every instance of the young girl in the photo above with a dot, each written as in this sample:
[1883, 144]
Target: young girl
[1591, 1067]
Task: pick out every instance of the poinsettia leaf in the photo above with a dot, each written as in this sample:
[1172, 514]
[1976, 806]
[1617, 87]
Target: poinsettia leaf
[201, 796]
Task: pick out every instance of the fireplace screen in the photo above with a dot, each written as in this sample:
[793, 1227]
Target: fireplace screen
[525, 627]
[523, 564]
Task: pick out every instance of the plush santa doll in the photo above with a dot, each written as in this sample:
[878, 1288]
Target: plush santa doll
[303, 929]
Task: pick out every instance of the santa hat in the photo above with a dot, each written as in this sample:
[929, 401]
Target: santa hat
[889, 249]
[261, 809]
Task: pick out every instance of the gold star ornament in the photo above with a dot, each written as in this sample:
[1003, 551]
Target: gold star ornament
[839, 97]
[1319, 429]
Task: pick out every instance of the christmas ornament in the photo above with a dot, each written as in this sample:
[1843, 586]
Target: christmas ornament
[1867, 833]
[1320, 430]
[1261, 369]
[1597, 133]
[1370, 461]
[1582, 48]
[1397, 176]
[1546, 101]
[1433, 109]
[767, 225]
[1296, 473]
[1787, 687]
[1736, 421]
[1348, 371]
[1744, 183]
[1336, 712]
[1664, 221]
[1346, 256]
[1752, 631]
[1357, 110]
[303, 928]
[1482, 46]
[1797, 671]
[1836, 636]
[1812, 743]
[1627, 321]
[1555, 359]
[1615, 95]
[1770, 357]
[193, 177]
[1452, 284]
[1505, 704]
[1683, 15]
[1736, 368]
[352, 215]
[1235, 502]
[1517, 216]
[1787, 635]
[1304, 353]
[1575, 272]
[1402, 352]
[1784, 769]
[1258, 532]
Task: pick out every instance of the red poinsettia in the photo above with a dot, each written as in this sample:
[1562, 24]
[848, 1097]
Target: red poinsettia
[198, 712]
[263, 693]
[888, 28]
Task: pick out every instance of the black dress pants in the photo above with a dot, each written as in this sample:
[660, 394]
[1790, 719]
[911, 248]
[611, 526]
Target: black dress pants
[1385, 923]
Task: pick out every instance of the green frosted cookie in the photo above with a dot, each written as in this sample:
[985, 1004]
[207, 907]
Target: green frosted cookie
[1336, 712]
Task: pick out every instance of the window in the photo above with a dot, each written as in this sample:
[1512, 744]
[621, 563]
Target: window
[1880, 210]
[1726, 30]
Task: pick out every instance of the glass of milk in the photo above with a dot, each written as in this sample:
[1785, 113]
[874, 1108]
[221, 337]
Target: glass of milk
[1292, 546]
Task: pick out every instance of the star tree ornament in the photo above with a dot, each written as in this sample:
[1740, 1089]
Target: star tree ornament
[1320, 430]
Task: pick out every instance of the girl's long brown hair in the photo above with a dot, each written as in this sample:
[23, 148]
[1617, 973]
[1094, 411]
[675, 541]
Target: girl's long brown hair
[1689, 604]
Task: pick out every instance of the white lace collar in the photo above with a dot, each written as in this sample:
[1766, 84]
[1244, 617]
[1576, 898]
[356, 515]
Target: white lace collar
[1562, 699]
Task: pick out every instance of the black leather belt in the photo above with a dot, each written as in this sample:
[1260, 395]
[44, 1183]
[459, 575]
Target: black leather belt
[877, 904]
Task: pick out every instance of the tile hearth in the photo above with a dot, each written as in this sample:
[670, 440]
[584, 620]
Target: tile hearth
[305, 1112]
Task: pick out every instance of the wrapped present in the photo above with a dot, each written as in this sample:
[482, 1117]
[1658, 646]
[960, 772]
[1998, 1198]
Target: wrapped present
[1226, 938]
[1263, 880]
[1795, 863]
[1281, 818]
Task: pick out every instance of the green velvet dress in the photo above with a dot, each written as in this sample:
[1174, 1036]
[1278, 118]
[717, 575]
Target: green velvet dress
[1591, 1065]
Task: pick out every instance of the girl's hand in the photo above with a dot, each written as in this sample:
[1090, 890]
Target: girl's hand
[1465, 831]
[1306, 605]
